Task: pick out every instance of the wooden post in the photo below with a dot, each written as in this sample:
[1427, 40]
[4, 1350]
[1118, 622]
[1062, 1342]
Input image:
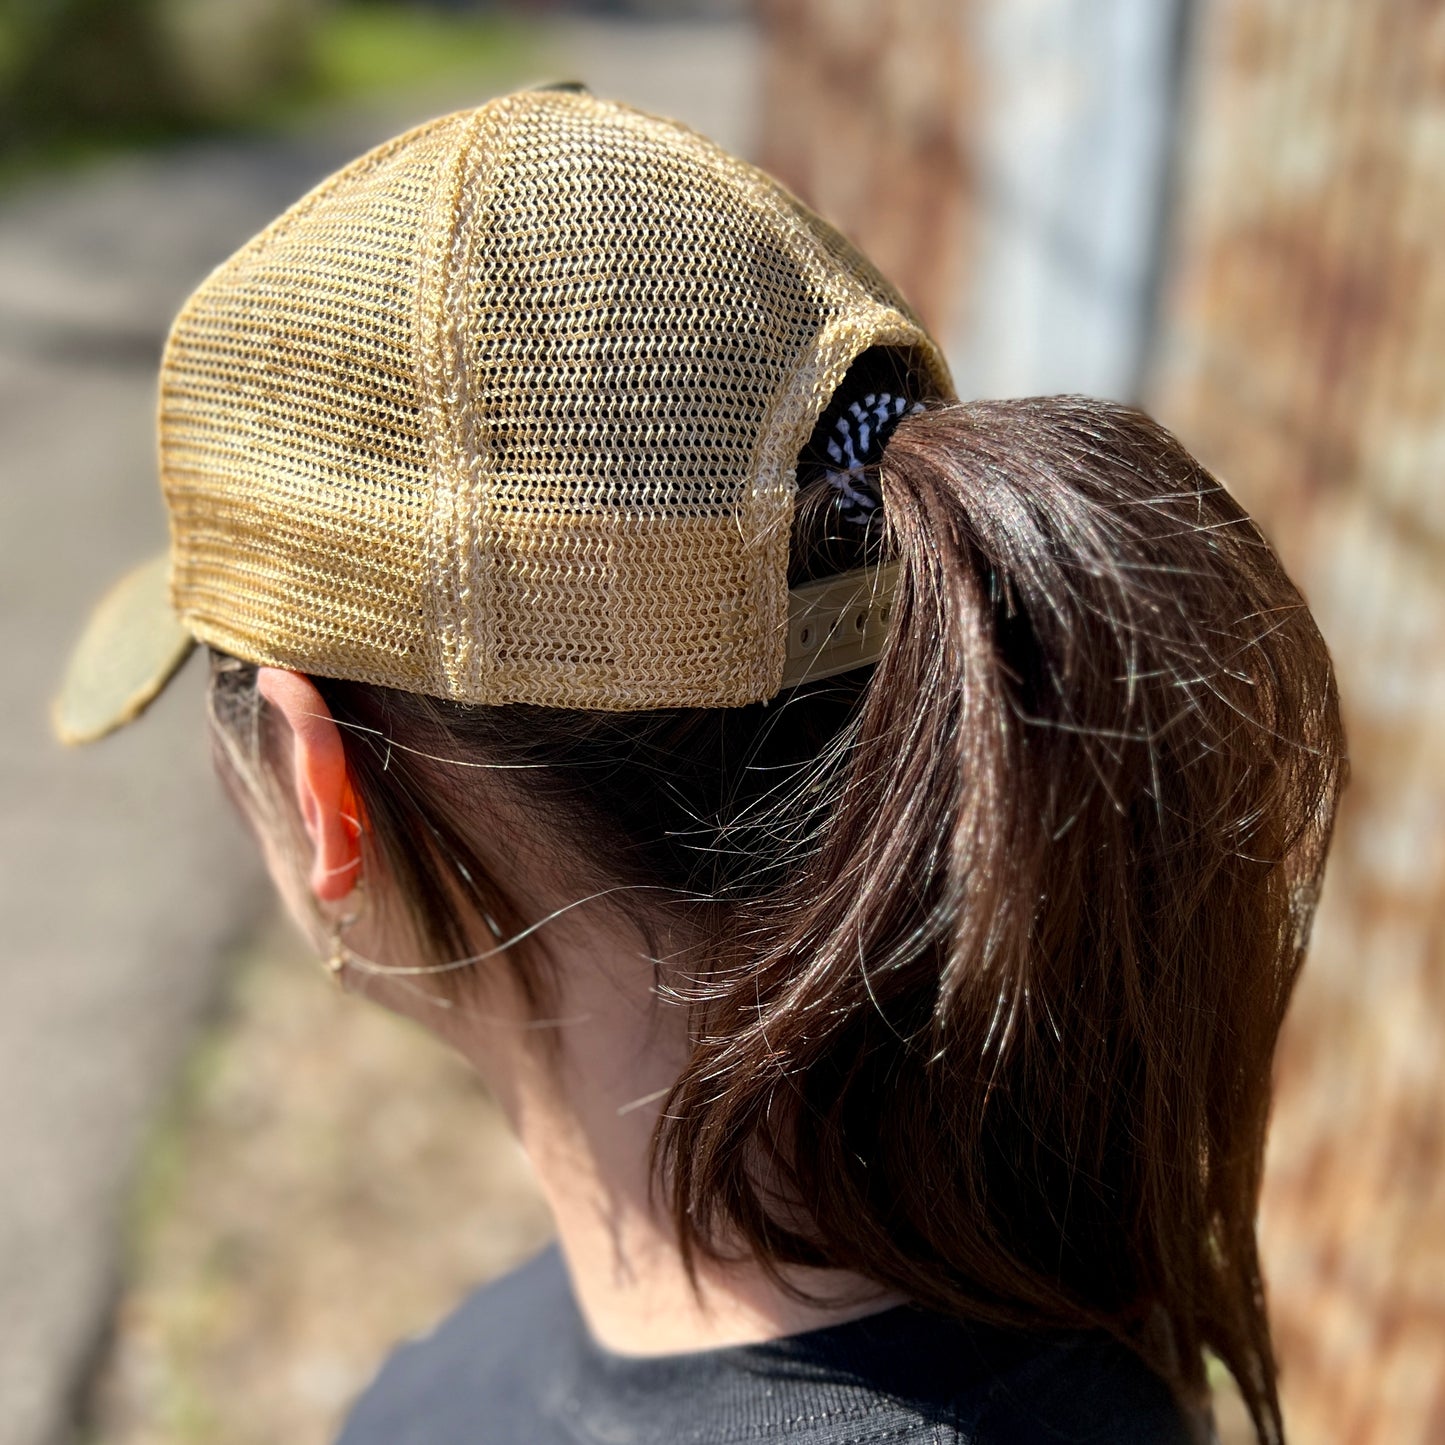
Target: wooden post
[1302, 355]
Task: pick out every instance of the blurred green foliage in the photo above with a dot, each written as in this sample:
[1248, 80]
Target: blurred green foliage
[370, 47]
[78, 75]
[73, 71]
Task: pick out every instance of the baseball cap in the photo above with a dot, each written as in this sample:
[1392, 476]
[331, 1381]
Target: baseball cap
[508, 410]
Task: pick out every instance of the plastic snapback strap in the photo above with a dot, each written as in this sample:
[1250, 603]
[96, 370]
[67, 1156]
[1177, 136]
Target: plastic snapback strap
[838, 623]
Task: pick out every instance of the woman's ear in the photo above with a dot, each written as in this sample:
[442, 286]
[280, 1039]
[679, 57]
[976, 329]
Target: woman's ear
[324, 794]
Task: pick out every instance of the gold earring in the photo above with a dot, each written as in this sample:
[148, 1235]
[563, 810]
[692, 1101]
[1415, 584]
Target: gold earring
[335, 961]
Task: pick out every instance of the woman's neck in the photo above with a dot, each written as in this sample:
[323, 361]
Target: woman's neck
[585, 1112]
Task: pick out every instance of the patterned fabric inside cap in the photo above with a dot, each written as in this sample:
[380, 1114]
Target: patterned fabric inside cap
[839, 521]
[859, 436]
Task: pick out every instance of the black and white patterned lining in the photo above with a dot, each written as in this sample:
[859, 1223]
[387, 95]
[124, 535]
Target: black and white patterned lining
[855, 443]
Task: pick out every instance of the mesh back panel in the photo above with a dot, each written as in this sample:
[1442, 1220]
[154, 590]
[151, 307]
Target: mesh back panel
[508, 411]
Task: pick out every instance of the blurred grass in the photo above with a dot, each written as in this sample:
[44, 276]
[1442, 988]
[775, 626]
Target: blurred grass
[368, 49]
[83, 78]
[327, 1180]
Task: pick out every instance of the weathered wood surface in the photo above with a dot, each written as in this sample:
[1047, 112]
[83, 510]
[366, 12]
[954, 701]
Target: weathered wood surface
[1299, 348]
[1003, 162]
[1303, 356]
[865, 114]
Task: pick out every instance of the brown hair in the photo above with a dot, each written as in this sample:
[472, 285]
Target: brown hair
[996, 937]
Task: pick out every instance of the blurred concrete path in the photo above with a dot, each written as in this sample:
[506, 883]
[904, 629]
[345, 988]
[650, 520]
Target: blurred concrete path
[123, 877]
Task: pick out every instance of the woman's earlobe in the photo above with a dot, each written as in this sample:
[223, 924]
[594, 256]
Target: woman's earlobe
[324, 795]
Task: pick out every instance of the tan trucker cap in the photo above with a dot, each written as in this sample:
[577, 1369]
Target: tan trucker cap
[508, 410]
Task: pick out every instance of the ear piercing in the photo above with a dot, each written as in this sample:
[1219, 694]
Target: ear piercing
[338, 955]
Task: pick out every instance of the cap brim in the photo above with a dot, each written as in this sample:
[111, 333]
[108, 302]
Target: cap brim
[130, 649]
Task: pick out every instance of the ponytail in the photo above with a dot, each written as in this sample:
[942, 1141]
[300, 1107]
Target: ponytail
[1010, 1019]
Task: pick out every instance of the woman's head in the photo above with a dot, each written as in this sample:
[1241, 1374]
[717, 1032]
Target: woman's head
[503, 474]
[988, 943]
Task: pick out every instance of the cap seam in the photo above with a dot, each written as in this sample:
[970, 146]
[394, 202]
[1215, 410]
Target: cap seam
[456, 467]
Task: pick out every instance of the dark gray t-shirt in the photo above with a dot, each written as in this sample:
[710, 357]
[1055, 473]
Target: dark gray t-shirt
[515, 1365]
